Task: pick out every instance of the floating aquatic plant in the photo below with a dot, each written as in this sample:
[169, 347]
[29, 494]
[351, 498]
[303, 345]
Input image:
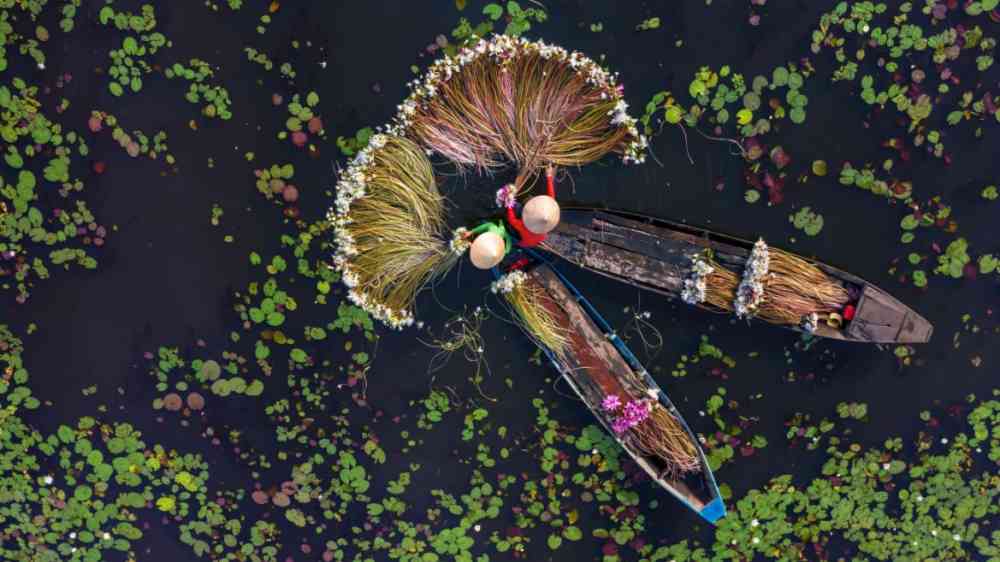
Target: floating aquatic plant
[808, 221]
[38, 233]
[214, 99]
[911, 72]
[718, 96]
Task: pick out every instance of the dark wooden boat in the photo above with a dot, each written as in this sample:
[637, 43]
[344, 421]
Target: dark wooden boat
[596, 351]
[652, 254]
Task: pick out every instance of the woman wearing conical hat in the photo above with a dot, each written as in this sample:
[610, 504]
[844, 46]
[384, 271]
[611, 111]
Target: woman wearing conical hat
[539, 216]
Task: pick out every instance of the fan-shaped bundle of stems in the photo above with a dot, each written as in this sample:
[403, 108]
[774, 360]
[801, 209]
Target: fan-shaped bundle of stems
[796, 289]
[662, 436]
[510, 102]
[397, 229]
[526, 111]
[531, 305]
[504, 101]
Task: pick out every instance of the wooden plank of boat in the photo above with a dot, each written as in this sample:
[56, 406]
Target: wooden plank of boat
[653, 254]
[593, 352]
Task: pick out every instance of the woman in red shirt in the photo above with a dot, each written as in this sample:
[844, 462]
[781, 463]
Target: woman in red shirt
[540, 215]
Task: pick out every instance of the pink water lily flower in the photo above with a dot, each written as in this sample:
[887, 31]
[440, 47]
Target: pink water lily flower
[611, 403]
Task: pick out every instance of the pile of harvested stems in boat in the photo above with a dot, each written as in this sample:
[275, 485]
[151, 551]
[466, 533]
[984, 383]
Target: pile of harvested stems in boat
[663, 437]
[646, 425]
[527, 299]
[509, 101]
[390, 228]
[776, 287]
[797, 289]
[709, 284]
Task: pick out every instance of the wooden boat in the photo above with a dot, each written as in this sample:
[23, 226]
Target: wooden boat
[652, 254]
[596, 351]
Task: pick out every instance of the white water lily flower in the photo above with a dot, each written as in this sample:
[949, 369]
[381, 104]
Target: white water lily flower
[459, 241]
[507, 283]
[750, 292]
[695, 283]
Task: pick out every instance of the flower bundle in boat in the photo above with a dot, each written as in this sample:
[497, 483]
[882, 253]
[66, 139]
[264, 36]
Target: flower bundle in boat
[650, 428]
[775, 286]
[710, 270]
[610, 381]
[504, 101]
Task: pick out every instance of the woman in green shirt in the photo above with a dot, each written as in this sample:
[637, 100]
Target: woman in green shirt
[492, 244]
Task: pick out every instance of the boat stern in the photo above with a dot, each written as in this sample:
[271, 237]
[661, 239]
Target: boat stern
[713, 511]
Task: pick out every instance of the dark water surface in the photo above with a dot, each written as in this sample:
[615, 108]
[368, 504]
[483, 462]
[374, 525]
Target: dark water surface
[167, 277]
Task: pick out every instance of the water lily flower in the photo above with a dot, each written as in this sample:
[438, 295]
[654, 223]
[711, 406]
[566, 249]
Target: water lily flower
[611, 403]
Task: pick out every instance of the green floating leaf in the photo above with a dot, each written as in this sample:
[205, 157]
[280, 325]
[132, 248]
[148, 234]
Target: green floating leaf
[82, 493]
[255, 388]
[779, 77]
[806, 220]
[572, 533]
[493, 11]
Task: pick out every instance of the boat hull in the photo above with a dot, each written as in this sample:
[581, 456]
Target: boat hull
[604, 353]
[653, 254]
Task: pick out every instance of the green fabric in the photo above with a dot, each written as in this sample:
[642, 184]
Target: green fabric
[499, 229]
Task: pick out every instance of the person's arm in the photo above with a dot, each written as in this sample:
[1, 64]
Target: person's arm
[508, 242]
[515, 222]
[550, 178]
[480, 229]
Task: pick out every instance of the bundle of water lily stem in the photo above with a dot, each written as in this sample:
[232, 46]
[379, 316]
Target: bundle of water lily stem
[502, 102]
[776, 287]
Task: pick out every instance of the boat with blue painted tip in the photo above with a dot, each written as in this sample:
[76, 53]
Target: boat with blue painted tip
[595, 351]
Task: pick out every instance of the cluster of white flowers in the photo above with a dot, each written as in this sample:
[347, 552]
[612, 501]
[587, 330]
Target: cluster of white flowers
[810, 323]
[619, 114]
[503, 48]
[750, 293]
[350, 188]
[459, 241]
[695, 283]
[510, 281]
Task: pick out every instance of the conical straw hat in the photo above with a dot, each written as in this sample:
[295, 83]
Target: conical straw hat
[541, 214]
[487, 250]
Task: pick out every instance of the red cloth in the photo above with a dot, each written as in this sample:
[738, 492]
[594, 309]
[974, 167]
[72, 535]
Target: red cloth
[527, 238]
[849, 312]
[519, 264]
